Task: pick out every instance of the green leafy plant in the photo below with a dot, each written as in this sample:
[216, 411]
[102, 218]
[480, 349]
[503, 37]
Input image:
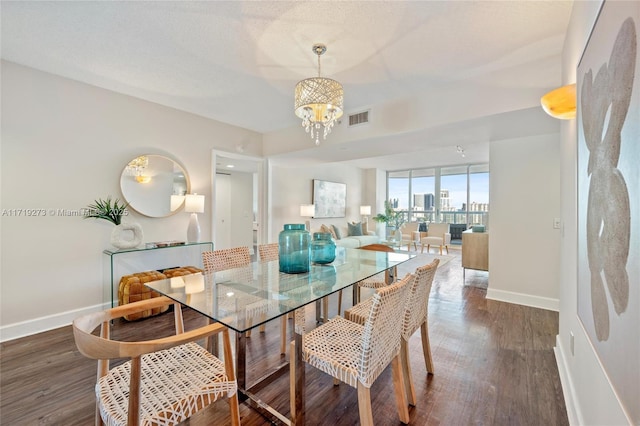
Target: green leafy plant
[390, 216]
[107, 210]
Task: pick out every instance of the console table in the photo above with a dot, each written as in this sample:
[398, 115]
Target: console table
[475, 251]
[117, 263]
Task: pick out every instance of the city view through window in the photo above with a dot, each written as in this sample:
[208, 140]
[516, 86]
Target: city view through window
[456, 195]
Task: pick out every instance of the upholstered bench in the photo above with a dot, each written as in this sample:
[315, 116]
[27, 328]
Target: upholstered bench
[183, 270]
[132, 289]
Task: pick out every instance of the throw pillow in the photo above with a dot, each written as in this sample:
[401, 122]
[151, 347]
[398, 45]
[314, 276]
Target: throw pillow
[328, 230]
[355, 229]
[337, 232]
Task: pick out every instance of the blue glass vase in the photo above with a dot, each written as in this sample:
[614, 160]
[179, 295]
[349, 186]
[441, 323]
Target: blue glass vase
[323, 249]
[294, 249]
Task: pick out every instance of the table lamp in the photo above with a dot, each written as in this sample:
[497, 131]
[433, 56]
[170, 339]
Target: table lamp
[365, 212]
[307, 210]
[194, 204]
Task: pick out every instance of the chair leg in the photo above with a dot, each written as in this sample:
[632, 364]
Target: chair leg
[426, 347]
[283, 335]
[421, 248]
[401, 396]
[440, 250]
[263, 326]
[249, 323]
[292, 379]
[406, 372]
[364, 405]
[447, 247]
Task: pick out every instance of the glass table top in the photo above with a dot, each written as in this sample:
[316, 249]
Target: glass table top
[246, 297]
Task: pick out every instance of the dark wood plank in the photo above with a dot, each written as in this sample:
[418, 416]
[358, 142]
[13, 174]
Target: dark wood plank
[494, 366]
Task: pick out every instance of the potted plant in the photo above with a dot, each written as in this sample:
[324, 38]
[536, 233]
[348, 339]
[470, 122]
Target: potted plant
[113, 211]
[394, 219]
[105, 209]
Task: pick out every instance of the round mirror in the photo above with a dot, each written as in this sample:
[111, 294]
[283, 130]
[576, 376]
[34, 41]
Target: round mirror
[154, 185]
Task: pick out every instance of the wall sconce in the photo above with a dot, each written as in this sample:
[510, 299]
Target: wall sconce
[560, 103]
[365, 212]
[307, 210]
[194, 204]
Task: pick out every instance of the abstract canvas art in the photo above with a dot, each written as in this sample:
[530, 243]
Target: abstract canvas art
[330, 198]
[608, 197]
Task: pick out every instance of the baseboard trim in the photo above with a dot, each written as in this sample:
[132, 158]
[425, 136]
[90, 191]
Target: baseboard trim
[46, 323]
[568, 390]
[523, 299]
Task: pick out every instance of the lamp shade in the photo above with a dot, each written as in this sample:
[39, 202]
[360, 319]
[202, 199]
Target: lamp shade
[176, 202]
[307, 210]
[560, 103]
[365, 210]
[194, 203]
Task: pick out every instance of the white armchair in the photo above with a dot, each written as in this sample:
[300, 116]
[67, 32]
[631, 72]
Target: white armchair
[437, 235]
[410, 235]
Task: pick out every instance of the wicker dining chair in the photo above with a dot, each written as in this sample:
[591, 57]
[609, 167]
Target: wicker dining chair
[151, 388]
[268, 252]
[415, 316]
[357, 354]
[237, 257]
[380, 280]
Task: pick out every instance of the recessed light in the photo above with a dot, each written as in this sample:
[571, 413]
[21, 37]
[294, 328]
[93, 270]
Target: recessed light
[230, 166]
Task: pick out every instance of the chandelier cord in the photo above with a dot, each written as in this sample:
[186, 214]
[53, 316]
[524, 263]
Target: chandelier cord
[319, 69]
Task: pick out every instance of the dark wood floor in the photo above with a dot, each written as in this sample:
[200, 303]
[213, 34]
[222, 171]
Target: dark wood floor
[494, 366]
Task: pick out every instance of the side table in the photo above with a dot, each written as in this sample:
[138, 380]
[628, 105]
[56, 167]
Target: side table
[117, 263]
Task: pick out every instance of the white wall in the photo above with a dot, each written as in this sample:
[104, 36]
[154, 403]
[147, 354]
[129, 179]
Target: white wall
[64, 144]
[293, 186]
[524, 248]
[588, 393]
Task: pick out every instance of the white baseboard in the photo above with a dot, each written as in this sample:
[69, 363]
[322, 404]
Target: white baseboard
[568, 390]
[523, 299]
[50, 322]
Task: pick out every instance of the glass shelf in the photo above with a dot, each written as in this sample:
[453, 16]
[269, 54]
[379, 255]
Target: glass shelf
[117, 263]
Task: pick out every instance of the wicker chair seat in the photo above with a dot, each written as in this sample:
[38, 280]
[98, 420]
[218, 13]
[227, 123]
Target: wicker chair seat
[184, 378]
[336, 349]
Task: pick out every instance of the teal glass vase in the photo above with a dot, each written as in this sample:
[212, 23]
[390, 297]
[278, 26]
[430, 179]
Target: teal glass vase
[294, 249]
[323, 249]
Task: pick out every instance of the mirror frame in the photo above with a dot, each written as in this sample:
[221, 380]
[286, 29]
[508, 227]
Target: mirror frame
[134, 204]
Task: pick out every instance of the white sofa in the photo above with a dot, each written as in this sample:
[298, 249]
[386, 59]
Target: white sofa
[354, 241]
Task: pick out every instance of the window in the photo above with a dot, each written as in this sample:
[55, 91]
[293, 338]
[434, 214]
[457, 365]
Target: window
[456, 194]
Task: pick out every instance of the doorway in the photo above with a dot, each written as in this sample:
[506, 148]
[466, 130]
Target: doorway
[237, 200]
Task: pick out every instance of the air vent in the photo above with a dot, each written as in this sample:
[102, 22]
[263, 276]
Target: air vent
[359, 118]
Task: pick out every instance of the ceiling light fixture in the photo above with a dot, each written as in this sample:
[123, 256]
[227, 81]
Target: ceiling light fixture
[318, 101]
[460, 150]
[561, 102]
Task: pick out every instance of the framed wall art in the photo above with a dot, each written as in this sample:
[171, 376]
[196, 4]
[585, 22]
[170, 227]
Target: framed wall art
[608, 127]
[330, 198]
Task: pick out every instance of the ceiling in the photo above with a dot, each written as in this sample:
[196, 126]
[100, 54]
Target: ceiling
[238, 61]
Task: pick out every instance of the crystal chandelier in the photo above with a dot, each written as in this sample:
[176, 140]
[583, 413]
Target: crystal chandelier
[318, 101]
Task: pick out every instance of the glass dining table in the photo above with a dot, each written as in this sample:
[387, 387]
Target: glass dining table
[247, 297]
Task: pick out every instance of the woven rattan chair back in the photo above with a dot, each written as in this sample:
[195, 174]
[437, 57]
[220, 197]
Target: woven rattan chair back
[219, 260]
[380, 338]
[416, 308]
[268, 252]
[156, 370]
